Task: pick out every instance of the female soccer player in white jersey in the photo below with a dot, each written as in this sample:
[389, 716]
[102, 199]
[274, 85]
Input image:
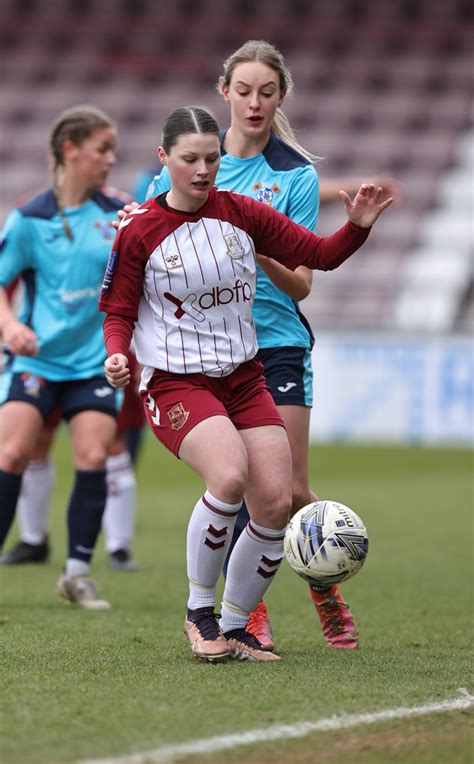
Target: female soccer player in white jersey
[181, 279]
[59, 241]
[261, 158]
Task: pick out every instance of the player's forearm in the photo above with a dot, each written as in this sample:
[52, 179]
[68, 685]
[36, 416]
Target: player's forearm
[329, 188]
[6, 313]
[296, 284]
[118, 332]
[331, 251]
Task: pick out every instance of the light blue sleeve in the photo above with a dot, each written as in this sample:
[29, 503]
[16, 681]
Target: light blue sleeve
[141, 186]
[304, 197]
[159, 184]
[16, 251]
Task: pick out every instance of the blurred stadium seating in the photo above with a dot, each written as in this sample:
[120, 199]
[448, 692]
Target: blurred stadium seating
[381, 88]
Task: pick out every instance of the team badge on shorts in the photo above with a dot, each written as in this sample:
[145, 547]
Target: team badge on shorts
[235, 249]
[178, 416]
[32, 384]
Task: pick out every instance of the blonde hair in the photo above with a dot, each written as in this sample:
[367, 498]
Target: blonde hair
[266, 53]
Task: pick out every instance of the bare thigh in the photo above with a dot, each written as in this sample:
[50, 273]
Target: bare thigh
[297, 420]
[215, 450]
[92, 433]
[268, 492]
[20, 426]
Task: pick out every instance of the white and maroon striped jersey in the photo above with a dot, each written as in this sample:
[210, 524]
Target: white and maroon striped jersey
[188, 279]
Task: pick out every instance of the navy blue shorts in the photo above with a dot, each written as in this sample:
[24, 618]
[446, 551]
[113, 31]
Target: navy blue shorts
[289, 375]
[70, 397]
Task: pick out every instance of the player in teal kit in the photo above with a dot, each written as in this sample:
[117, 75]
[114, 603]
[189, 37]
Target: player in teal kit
[261, 158]
[59, 242]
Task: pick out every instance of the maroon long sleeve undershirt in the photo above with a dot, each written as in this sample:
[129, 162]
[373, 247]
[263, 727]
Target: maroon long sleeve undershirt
[118, 332]
[339, 246]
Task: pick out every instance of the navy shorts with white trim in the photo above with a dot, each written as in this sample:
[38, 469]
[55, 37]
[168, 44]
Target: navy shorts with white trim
[70, 397]
[289, 375]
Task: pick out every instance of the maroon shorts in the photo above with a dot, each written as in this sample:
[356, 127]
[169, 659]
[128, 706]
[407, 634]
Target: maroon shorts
[175, 403]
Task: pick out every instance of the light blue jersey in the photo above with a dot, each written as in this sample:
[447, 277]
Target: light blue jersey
[62, 281]
[284, 179]
[142, 183]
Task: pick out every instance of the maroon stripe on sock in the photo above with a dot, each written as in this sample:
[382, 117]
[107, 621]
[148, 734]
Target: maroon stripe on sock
[215, 532]
[214, 544]
[218, 511]
[271, 563]
[262, 535]
[265, 573]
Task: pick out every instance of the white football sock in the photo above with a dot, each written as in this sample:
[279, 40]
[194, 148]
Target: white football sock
[209, 535]
[253, 563]
[75, 567]
[34, 500]
[118, 521]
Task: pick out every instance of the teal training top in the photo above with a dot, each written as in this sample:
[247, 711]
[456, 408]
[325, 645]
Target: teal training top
[62, 281]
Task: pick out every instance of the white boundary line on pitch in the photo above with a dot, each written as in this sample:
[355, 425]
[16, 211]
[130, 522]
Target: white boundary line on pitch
[168, 753]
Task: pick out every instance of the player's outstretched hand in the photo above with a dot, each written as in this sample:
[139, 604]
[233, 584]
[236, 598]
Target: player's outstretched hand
[124, 211]
[116, 370]
[367, 205]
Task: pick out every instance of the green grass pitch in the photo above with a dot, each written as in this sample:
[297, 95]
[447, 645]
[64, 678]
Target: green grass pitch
[82, 685]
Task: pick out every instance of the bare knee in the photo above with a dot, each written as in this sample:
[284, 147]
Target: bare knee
[229, 487]
[280, 509]
[90, 457]
[273, 509]
[14, 457]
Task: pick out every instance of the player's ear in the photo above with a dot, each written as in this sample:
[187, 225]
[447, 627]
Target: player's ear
[70, 149]
[225, 93]
[282, 98]
[161, 154]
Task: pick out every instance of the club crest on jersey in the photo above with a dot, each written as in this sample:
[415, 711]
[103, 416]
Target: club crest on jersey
[109, 271]
[235, 249]
[32, 384]
[173, 261]
[106, 229]
[178, 416]
[266, 192]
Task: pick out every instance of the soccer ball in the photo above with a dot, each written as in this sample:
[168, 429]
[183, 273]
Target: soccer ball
[326, 543]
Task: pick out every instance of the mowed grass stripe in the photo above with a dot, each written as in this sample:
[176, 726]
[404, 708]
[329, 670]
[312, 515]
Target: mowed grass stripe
[172, 753]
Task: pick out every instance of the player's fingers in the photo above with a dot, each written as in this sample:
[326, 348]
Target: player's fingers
[31, 346]
[378, 193]
[345, 198]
